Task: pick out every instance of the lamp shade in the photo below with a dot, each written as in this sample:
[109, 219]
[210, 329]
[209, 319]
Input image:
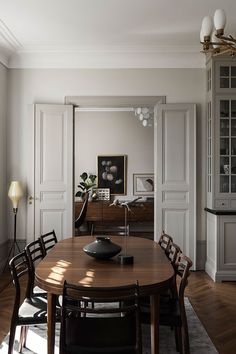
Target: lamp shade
[201, 36]
[219, 19]
[15, 192]
[207, 26]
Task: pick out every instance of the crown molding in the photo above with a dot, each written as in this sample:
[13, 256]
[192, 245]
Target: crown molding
[14, 55]
[9, 44]
[165, 57]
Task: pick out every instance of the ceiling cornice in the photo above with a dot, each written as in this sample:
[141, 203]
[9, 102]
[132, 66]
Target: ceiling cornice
[9, 44]
[14, 55]
[163, 57]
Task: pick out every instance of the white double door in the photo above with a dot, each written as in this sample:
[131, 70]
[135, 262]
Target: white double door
[50, 176]
[50, 181]
[175, 174]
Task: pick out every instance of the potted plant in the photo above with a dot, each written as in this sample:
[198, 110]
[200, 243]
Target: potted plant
[86, 185]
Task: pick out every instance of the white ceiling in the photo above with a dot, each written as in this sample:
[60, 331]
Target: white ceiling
[106, 33]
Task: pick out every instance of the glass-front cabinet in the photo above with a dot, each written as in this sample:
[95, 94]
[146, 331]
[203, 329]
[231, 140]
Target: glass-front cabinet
[221, 134]
[227, 148]
[221, 168]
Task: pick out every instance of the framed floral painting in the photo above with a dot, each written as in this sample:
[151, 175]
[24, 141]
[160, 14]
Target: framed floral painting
[111, 173]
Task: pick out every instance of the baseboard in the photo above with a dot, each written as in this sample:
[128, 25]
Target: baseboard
[4, 251]
[225, 275]
[201, 255]
[210, 269]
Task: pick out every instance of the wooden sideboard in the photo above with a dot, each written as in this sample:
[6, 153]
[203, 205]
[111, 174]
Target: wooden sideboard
[101, 217]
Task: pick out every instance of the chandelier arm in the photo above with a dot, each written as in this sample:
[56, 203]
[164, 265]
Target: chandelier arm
[228, 39]
[229, 46]
[217, 53]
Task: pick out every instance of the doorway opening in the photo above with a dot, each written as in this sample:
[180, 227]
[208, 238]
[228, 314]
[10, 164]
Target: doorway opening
[107, 126]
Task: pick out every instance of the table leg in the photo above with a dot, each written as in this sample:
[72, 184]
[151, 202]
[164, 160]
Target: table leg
[154, 307]
[51, 322]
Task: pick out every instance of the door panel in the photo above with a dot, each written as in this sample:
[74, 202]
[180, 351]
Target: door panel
[175, 174]
[53, 170]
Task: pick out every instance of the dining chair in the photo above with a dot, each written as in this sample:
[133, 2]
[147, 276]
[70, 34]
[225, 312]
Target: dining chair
[165, 241]
[81, 218]
[172, 251]
[172, 310]
[48, 241]
[104, 328]
[34, 253]
[171, 254]
[32, 311]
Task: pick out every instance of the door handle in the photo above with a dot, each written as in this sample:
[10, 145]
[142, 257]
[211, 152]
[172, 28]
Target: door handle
[31, 198]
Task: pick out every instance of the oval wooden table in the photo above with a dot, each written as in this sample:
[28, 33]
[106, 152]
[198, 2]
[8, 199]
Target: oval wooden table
[67, 261]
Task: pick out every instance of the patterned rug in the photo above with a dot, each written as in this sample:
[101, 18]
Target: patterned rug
[200, 342]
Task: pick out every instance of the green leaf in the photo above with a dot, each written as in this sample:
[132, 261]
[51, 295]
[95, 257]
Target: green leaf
[84, 176]
[79, 194]
[92, 178]
[81, 187]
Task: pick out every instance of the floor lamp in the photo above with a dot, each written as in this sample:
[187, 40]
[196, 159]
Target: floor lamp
[15, 193]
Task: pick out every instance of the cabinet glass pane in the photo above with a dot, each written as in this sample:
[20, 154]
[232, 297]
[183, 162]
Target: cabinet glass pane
[209, 184]
[233, 70]
[224, 165]
[233, 108]
[224, 127]
[233, 127]
[224, 82]
[224, 184]
[233, 82]
[209, 147]
[233, 146]
[209, 128]
[233, 184]
[233, 165]
[224, 70]
[224, 146]
[224, 108]
[209, 165]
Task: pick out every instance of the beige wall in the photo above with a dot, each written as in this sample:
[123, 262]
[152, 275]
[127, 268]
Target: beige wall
[3, 175]
[52, 85]
[112, 133]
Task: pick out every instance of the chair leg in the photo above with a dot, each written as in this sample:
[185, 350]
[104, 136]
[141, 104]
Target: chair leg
[185, 339]
[11, 338]
[185, 336]
[23, 336]
[178, 340]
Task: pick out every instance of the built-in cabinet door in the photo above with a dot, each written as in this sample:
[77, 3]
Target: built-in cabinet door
[50, 200]
[175, 174]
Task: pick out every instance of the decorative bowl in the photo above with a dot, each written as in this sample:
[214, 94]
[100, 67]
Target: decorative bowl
[102, 248]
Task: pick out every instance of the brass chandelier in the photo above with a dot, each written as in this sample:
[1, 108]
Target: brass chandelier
[212, 36]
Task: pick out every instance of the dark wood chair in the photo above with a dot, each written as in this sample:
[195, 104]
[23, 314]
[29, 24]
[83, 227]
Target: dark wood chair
[104, 328]
[48, 241]
[172, 251]
[33, 309]
[172, 310]
[35, 253]
[165, 241]
[79, 222]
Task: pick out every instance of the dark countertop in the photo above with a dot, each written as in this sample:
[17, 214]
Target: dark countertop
[220, 212]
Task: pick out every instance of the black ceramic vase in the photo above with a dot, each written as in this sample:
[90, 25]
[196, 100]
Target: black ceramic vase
[102, 248]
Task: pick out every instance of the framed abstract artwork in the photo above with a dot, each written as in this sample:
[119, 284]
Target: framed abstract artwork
[111, 173]
[143, 184]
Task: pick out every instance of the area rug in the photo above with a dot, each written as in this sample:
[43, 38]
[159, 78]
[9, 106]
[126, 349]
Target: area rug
[200, 342]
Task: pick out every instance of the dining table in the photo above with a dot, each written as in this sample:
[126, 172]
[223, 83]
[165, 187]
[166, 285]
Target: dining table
[68, 261]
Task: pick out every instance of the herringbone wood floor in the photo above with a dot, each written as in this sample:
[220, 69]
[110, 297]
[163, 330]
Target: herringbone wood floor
[213, 303]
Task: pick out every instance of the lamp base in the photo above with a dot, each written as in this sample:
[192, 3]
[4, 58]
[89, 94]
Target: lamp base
[125, 259]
